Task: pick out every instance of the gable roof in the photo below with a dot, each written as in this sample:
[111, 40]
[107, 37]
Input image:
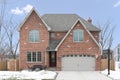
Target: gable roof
[60, 22]
[33, 9]
[63, 22]
[70, 31]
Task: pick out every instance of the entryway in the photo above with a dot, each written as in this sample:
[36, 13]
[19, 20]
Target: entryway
[52, 59]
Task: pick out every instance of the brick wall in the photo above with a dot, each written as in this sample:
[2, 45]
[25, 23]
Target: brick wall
[57, 35]
[33, 22]
[88, 46]
[95, 35]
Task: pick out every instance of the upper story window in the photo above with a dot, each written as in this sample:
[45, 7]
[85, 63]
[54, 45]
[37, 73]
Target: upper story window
[53, 35]
[34, 36]
[78, 35]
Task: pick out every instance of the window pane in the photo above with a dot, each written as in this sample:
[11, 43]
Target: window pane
[34, 56]
[75, 36]
[29, 56]
[34, 36]
[39, 56]
[78, 35]
[81, 35]
[37, 37]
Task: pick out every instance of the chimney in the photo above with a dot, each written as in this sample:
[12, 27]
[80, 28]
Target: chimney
[89, 20]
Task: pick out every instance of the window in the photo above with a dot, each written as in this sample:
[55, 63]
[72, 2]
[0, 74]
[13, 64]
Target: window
[33, 56]
[34, 36]
[53, 35]
[78, 35]
[28, 56]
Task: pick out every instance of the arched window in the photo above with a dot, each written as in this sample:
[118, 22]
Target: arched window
[78, 35]
[34, 36]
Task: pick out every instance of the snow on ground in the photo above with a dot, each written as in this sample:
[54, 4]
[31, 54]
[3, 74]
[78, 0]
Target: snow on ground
[117, 66]
[115, 75]
[19, 75]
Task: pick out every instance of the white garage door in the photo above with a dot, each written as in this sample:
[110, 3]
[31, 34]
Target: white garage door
[78, 63]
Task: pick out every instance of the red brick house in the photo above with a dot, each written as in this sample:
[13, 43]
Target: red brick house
[62, 41]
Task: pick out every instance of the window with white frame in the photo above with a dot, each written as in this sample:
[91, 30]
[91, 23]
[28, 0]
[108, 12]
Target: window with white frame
[78, 35]
[34, 36]
[34, 56]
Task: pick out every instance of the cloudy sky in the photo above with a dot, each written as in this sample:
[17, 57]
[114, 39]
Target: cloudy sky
[99, 10]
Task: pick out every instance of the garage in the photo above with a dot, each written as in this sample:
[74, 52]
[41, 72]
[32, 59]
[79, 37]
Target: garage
[78, 63]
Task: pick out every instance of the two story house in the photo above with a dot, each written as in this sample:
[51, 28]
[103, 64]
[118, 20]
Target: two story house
[117, 53]
[62, 41]
[117, 57]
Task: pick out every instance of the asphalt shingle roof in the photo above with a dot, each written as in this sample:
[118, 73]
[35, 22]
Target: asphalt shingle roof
[63, 22]
[53, 44]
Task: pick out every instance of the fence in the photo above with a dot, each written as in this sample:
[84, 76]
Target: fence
[104, 64]
[3, 65]
[13, 65]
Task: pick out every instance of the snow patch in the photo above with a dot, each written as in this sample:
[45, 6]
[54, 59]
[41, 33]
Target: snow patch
[27, 75]
[113, 74]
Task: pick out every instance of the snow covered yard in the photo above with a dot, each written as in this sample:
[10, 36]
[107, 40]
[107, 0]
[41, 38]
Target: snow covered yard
[115, 75]
[29, 75]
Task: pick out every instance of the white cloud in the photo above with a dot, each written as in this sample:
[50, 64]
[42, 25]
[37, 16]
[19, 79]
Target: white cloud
[117, 4]
[16, 11]
[23, 10]
[27, 8]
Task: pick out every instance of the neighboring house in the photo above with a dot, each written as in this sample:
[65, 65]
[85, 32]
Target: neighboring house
[117, 57]
[117, 53]
[61, 41]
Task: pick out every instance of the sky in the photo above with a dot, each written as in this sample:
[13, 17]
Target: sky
[100, 11]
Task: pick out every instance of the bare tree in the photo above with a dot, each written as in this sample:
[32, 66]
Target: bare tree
[8, 29]
[11, 31]
[106, 35]
[106, 39]
[3, 44]
[2, 13]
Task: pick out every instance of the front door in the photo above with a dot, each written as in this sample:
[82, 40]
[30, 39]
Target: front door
[52, 59]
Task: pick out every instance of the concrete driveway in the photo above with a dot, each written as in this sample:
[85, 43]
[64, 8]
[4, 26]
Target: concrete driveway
[81, 75]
